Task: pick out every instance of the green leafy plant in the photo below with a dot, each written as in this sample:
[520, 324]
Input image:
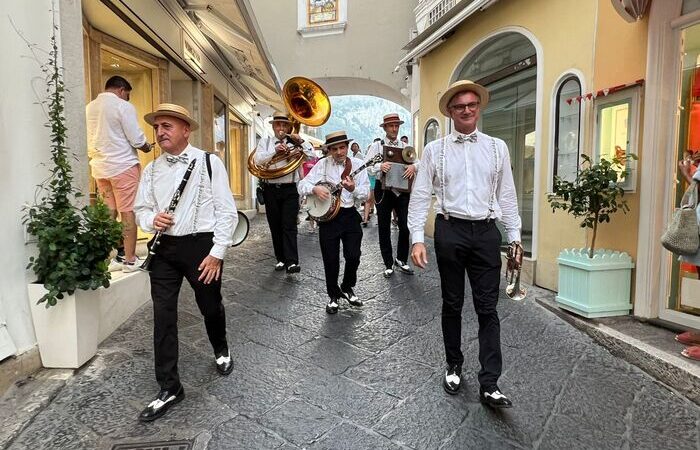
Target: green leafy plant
[594, 195]
[73, 243]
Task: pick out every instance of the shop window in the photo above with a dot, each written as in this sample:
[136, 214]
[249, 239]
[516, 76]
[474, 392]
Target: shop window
[321, 17]
[220, 137]
[616, 132]
[238, 154]
[567, 128]
[432, 131]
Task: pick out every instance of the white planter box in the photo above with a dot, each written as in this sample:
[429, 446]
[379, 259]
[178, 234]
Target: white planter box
[595, 287]
[68, 334]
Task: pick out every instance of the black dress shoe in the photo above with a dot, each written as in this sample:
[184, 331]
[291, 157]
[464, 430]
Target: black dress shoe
[403, 267]
[349, 295]
[453, 379]
[161, 404]
[332, 306]
[388, 272]
[293, 268]
[279, 266]
[224, 363]
[494, 398]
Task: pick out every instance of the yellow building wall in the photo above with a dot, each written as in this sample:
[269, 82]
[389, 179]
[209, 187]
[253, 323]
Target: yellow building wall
[587, 36]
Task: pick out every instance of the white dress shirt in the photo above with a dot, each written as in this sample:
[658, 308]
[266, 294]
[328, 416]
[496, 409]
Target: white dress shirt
[205, 206]
[266, 150]
[114, 135]
[470, 170]
[328, 170]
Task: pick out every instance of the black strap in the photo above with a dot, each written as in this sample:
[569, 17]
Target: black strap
[209, 164]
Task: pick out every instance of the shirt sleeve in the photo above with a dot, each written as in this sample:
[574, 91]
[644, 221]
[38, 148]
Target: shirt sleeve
[361, 191]
[306, 185]
[264, 151]
[145, 207]
[375, 168]
[507, 197]
[421, 196]
[130, 126]
[225, 213]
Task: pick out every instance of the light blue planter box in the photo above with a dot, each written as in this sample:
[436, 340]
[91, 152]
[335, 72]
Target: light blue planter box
[595, 287]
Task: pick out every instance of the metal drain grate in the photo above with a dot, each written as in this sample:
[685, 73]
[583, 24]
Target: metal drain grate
[161, 445]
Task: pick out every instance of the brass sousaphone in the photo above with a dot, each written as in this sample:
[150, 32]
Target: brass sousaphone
[307, 103]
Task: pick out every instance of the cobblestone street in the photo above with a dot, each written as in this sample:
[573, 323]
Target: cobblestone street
[366, 378]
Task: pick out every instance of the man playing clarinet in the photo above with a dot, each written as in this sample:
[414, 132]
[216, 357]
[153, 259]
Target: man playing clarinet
[194, 236]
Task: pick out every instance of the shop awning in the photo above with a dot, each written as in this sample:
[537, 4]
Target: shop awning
[604, 92]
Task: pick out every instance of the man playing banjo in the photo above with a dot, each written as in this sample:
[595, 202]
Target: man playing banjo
[193, 243]
[388, 200]
[345, 226]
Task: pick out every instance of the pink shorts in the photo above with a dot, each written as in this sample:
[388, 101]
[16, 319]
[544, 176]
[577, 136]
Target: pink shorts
[119, 193]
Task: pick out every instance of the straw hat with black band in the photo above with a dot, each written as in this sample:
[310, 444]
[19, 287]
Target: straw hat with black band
[463, 86]
[337, 137]
[171, 110]
[279, 116]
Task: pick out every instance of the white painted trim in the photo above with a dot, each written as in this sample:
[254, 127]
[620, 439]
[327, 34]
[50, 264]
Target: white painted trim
[656, 167]
[567, 74]
[681, 318]
[539, 51]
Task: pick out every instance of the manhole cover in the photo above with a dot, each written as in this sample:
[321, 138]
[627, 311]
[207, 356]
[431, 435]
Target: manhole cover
[162, 445]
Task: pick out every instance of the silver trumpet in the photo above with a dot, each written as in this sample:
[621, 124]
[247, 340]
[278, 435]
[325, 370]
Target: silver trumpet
[514, 290]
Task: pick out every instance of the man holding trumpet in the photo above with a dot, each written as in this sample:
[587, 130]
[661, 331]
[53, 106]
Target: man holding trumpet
[193, 243]
[469, 171]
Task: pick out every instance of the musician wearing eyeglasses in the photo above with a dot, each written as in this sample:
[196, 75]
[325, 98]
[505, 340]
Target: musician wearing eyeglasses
[470, 173]
[193, 235]
[388, 200]
[345, 227]
[280, 194]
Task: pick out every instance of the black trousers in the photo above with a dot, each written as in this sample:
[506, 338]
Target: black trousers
[282, 209]
[386, 202]
[473, 246]
[345, 228]
[175, 258]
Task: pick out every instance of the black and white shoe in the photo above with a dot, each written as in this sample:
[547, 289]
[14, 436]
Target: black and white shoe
[279, 266]
[293, 268]
[453, 379]
[403, 267]
[349, 295]
[161, 404]
[224, 363]
[332, 306]
[494, 398]
[388, 272]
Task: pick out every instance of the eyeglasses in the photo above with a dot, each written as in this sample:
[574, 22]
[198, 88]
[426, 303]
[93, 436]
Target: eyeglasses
[473, 106]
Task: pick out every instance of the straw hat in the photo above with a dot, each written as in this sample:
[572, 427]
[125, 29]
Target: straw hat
[279, 116]
[391, 118]
[172, 110]
[463, 86]
[337, 137]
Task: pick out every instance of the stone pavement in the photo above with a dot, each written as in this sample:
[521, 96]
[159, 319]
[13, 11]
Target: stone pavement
[365, 378]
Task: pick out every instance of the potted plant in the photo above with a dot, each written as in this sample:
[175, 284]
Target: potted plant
[593, 283]
[73, 245]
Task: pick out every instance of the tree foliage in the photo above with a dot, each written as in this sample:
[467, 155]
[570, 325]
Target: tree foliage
[595, 195]
[73, 243]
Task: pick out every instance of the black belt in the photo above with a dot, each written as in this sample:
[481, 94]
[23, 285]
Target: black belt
[209, 235]
[458, 220]
[280, 185]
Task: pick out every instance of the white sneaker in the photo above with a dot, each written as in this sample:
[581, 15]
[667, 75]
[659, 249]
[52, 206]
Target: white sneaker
[129, 267]
[115, 265]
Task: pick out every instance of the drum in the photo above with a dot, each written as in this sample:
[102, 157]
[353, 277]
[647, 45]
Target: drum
[323, 210]
[241, 231]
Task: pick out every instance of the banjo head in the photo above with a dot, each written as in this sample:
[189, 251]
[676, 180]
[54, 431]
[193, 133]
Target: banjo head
[322, 210]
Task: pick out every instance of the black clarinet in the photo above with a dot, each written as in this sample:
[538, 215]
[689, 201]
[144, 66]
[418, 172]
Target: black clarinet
[171, 208]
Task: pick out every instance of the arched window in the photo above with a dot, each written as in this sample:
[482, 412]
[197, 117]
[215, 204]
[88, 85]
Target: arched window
[432, 131]
[566, 129]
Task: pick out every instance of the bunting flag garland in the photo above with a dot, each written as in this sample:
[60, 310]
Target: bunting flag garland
[604, 92]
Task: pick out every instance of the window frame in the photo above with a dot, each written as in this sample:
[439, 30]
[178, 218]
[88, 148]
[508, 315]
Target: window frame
[431, 121]
[555, 144]
[631, 96]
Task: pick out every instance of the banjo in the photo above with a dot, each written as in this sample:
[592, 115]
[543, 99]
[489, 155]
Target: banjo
[325, 210]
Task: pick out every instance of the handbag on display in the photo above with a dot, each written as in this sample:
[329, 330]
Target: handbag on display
[681, 236]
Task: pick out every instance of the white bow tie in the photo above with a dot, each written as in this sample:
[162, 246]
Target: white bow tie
[177, 159]
[461, 138]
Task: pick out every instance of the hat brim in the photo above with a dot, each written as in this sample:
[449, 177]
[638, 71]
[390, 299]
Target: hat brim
[281, 120]
[478, 89]
[151, 117]
[400, 122]
[336, 143]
